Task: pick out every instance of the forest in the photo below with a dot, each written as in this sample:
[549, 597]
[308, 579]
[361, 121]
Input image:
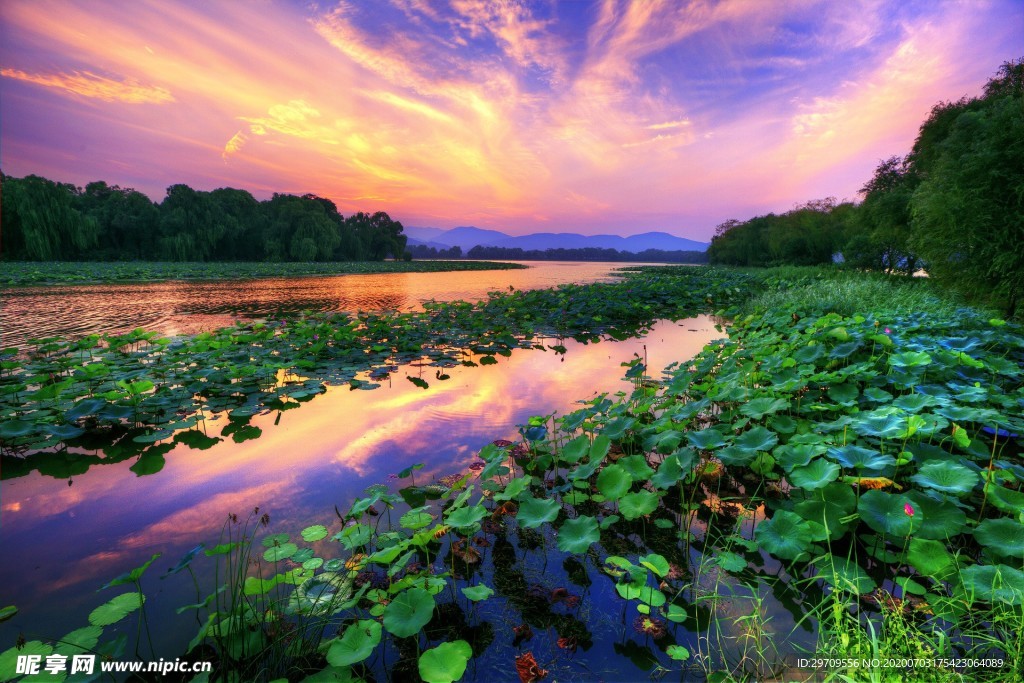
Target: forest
[953, 205]
[45, 220]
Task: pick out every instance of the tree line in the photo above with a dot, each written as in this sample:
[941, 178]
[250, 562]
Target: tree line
[44, 220]
[489, 253]
[954, 205]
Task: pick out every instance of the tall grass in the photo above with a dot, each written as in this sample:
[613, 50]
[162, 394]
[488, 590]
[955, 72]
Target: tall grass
[846, 292]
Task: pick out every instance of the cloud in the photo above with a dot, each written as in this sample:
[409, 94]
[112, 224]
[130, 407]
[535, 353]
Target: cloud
[234, 145]
[88, 84]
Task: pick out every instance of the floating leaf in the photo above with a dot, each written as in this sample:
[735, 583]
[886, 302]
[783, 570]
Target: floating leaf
[814, 476]
[116, 609]
[886, 513]
[356, 644]
[577, 535]
[445, 663]
[946, 476]
[1003, 536]
[314, 533]
[785, 535]
[280, 552]
[636, 505]
[534, 512]
[408, 612]
[614, 481]
[466, 517]
[478, 593]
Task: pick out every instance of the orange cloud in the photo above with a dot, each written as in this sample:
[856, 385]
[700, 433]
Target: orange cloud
[88, 84]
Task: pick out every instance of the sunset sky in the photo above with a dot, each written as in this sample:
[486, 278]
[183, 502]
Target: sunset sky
[592, 117]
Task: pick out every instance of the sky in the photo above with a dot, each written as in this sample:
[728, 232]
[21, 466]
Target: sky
[610, 116]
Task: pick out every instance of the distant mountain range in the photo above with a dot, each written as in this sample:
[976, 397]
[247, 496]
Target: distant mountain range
[469, 237]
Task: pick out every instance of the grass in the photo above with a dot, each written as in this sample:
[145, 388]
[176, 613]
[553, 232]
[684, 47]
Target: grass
[802, 290]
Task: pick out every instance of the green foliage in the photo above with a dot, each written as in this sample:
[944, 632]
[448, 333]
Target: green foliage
[969, 209]
[46, 221]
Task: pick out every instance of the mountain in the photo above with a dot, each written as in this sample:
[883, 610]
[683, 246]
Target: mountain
[469, 237]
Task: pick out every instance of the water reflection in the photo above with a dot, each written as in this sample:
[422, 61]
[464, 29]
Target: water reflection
[71, 539]
[178, 307]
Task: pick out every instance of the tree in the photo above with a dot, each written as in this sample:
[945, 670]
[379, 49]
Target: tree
[41, 223]
[882, 240]
[968, 213]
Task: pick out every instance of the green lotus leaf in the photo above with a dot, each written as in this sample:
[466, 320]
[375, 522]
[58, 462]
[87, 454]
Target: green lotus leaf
[636, 467]
[8, 612]
[844, 574]
[910, 359]
[599, 449]
[843, 393]
[582, 472]
[354, 536]
[757, 408]
[514, 488]
[946, 476]
[614, 482]
[1004, 499]
[670, 471]
[828, 507]
[274, 539]
[730, 561]
[416, 518]
[809, 354]
[536, 511]
[786, 536]
[445, 663]
[790, 455]
[1003, 536]
[408, 612]
[478, 593]
[79, 641]
[757, 439]
[817, 475]
[116, 609]
[735, 455]
[9, 657]
[577, 535]
[886, 513]
[466, 517]
[994, 583]
[706, 439]
[280, 552]
[861, 458]
[636, 505]
[884, 426]
[302, 555]
[941, 519]
[13, 429]
[319, 594]
[314, 533]
[355, 644]
[656, 563]
[930, 558]
[914, 403]
[677, 652]
[574, 451]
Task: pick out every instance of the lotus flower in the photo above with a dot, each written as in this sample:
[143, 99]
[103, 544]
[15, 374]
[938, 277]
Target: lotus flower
[908, 508]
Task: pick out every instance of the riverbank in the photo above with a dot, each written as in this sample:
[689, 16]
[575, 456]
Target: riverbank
[19, 273]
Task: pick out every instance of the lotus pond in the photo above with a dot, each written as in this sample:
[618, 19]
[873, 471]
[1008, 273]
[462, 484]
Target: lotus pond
[810, 479]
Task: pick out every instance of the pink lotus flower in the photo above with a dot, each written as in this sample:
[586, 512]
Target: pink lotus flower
[907, 508]
[888, 331]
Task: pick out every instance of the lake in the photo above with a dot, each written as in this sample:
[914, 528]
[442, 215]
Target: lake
[188, 307]
[67, 536]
